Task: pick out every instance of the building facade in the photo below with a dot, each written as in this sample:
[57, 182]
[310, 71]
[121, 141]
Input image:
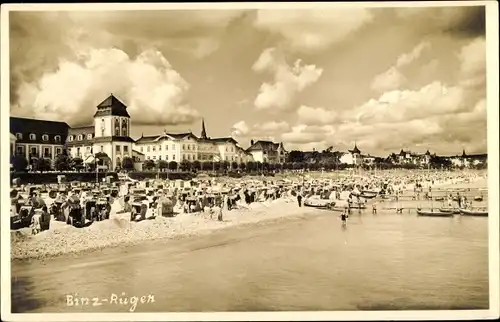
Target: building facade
[34, 139]
[107, 141]
[267, 151]
[353, 157]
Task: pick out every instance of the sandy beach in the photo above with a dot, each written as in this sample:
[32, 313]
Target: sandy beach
[119, 230]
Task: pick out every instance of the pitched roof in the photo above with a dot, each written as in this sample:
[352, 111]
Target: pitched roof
[264, 146]
[146, 139]
[81, 130]
[224, 140]
[355, 150]
[26, 126]
[111, 106]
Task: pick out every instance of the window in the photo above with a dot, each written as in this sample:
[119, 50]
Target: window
[159, 157]
[189, 147]
[166, 147]
[20, 150]
[149, 148]
[166, 157]
[45, 137]
[58, 151]
[142, 149]
[46, 152]
[125, 148]
[102, 148]
[124, 127]
[70, 138]
[159, 147]
[77, 152]
[117, 127]
[118, 149]
[32, 137]
[154, 157]
[173, 157]
[57, 138]
[89, 136]
[173, 146]
[19, 136]
[154, 148]
[33, 150]
[80, 137]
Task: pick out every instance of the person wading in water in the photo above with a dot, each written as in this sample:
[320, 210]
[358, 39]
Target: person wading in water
[344, 217]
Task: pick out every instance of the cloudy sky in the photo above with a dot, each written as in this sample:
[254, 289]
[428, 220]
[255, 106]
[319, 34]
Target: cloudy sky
[386, 78]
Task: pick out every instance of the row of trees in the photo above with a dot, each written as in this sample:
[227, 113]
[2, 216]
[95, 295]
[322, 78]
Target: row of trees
[62, 162]
[296, 161]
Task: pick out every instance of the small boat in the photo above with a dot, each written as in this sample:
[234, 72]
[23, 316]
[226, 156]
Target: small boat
[454, 211]
[478, 198]
[318, 203]
[368, 194]
[433, 213]
[476, 213]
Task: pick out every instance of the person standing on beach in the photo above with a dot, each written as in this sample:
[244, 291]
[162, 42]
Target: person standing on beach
[299, 198]
[344, 217]
[374, 208]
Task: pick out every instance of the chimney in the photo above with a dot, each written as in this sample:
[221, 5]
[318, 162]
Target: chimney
[251, 142]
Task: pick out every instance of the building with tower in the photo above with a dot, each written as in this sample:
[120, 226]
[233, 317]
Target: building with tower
[352, 156]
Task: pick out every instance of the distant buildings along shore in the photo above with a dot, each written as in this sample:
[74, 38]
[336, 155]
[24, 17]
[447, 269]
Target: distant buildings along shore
[108, 139]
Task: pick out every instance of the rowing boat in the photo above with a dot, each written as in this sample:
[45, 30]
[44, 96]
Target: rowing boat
[455, 211]
[433, 213]
[476, 213]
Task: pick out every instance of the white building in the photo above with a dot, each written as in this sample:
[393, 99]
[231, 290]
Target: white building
[353, 157]
[267, 151]
[109, 136]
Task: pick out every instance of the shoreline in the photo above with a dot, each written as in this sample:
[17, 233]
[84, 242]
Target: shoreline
[182, 226]
[118, 231]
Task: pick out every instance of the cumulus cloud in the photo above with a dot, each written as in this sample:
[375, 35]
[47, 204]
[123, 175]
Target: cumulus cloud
[315, 115]
[414, 54]
[240, 129]
[313, 30]
[153, 91]
[303, 134]
[473, 63]
[288, 80]
[393, 78]
[402, 105]
[260, 130]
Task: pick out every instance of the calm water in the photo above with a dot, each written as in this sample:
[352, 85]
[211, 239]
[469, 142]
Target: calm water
[378, 262]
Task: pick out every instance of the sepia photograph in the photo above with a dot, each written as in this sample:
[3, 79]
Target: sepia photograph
[250, 161]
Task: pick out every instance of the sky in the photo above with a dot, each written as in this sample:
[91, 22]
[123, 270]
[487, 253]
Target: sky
[385, 79]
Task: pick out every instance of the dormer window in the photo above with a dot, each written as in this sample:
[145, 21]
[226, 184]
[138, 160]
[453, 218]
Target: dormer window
[45, 137]
[32, 137]
[89, 136]
[117, 127]
[124, 127]
[80, 137]
[70, 138]
[19, 136]
[57, 138]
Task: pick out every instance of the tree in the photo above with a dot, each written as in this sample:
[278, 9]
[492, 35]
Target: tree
[19, 162]
[162, 164]
[295, 156]
[148, 165]
[62, 162]
[224, 165]
[196, 165]
[243, 166]
[185, 165]
[42, 164]
[76, 163]
[216, 165]
[234, 165]
[207, 165]
[128, 163]
[172, 165]
[250, 166]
